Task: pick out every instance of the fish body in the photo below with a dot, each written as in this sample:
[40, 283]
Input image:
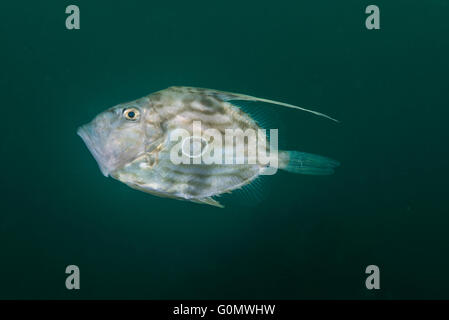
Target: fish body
[133, 143]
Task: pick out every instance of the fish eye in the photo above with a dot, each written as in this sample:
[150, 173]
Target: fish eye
[131, 114]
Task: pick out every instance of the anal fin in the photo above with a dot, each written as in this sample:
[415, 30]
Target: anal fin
[209, 201]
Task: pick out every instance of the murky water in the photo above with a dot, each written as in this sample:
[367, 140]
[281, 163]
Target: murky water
[306, 236]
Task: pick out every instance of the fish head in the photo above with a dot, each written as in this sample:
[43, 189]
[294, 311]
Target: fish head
[116, 136]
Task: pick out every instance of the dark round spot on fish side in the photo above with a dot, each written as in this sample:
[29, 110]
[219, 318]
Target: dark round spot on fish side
[207, 102]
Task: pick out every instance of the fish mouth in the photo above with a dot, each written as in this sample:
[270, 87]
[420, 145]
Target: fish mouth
[93, 143]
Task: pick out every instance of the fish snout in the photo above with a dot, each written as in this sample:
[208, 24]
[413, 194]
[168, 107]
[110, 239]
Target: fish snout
[94, 142]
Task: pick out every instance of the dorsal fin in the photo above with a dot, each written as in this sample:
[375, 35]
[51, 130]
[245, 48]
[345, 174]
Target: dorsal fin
[227, 96]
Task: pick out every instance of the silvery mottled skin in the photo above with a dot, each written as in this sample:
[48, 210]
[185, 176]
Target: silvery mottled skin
[131, 143]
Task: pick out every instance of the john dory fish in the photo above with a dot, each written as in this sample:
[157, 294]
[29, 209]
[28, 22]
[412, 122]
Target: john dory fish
[132, 143]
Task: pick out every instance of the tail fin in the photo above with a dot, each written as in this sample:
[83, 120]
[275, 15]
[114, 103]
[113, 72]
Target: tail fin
[306, 163]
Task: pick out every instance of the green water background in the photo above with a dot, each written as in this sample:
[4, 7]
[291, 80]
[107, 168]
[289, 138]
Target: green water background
[308, 237]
